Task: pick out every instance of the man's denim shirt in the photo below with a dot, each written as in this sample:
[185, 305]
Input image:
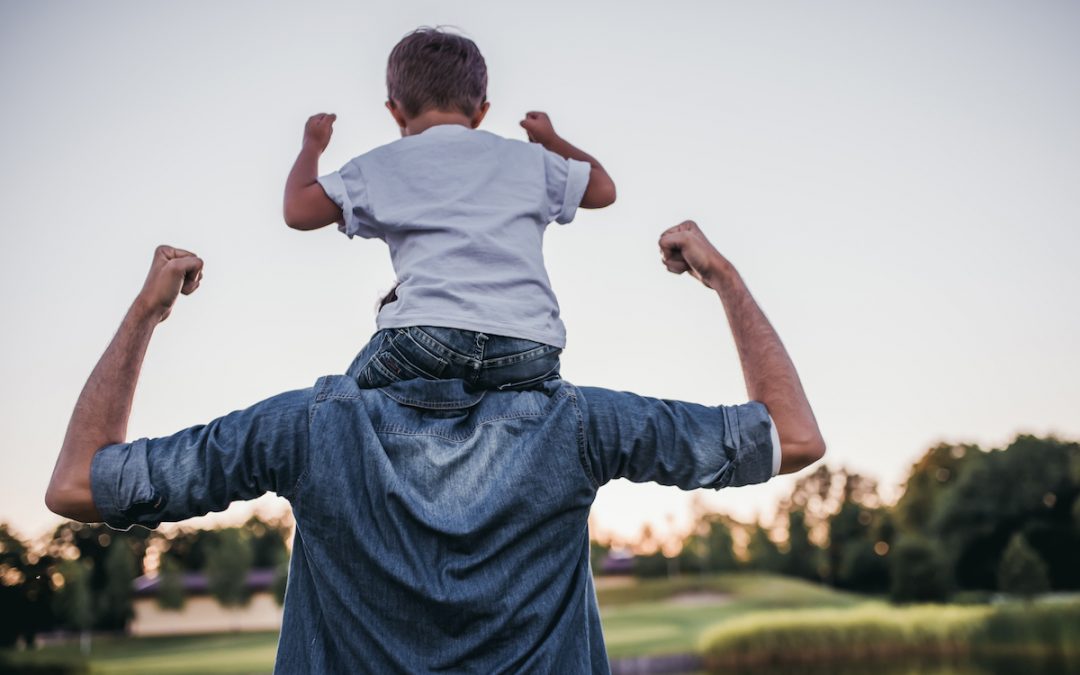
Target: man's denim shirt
[437, 529]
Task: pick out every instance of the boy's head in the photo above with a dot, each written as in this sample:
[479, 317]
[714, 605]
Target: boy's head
[434, 70]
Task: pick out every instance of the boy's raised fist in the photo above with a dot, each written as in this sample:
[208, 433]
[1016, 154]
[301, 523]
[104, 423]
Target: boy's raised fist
[318, 130]
[538, 126]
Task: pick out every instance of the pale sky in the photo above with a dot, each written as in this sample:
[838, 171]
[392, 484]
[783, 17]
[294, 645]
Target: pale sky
[897, 182]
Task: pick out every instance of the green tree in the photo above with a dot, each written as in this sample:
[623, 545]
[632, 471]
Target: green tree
[763, 553]
[1022, 572]
[803, 558]
[227, 566]
[864, 565]
[711, 549]
[850, 524]
[1028, 486]
[651, 566]
[171, 587]
[94, 544]
[191, 547]
[917, 571]
[929, 481]
[26, 606]
[848, 529]
[268, 548]
[598, 552]
[280, 583]
[14, 568]
[74, 602]
[114, 601]
[863, 568]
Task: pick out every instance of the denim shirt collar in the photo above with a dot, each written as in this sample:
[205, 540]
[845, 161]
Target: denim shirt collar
[433, 394]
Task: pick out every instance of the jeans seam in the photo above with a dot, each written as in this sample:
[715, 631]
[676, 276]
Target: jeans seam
[437, 348]
[443, 363]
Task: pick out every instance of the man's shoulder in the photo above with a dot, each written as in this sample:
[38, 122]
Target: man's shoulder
[447, 394]
[335, 386]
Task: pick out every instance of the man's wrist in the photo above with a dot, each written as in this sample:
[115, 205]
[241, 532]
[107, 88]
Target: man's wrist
[722, 275]
[145, 311]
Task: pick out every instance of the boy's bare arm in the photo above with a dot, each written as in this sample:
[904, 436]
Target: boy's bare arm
[306, 205]
[601, 189]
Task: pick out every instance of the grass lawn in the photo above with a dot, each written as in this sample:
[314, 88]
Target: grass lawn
[230, 654]
[669, 616]
[647, 617]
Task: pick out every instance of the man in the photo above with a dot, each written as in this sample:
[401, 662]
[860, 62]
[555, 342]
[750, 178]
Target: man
[437, 528]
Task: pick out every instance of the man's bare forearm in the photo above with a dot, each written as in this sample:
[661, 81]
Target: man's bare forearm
[770, 375]
[101, 415]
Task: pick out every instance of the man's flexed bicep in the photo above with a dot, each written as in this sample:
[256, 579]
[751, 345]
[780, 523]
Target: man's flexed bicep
[673, 442]
[240, 456]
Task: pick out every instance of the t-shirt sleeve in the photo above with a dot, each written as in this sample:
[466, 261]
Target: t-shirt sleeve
[675, 443]
[566, 183]
[239, 456]
[348, 189]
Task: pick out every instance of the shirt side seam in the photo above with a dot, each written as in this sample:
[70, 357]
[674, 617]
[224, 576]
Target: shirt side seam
[583, 455]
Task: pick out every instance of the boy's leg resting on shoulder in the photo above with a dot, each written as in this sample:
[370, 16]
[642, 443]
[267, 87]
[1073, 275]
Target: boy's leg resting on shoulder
[483, 361]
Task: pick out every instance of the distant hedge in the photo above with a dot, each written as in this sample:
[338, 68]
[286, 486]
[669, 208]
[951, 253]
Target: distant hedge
[881, 632]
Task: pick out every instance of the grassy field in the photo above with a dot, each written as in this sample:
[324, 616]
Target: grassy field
[649, 617]
[230, 654]
[670, 616]
[745, 623]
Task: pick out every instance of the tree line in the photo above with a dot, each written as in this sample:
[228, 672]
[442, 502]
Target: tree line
[80, 578]
[969, 521]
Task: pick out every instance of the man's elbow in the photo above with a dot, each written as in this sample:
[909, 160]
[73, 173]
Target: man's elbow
[71, 502]
[799, 455]
[59, 502]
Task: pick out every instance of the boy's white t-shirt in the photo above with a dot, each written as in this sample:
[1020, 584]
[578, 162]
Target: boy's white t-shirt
[463, 212]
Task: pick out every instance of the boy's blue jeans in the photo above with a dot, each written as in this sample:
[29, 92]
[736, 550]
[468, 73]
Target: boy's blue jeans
[483, 361]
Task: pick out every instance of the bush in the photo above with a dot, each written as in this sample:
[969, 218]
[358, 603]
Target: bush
[862, 569]
[1022, 572]
[918, 572]
[1046, 630]
[864, 633]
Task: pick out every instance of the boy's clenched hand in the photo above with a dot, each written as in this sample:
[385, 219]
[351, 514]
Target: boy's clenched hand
[318, 130]
[538, 126]
[600, 191]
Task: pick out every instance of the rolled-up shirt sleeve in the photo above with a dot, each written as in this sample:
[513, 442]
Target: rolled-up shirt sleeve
[566, 180]
[348, 189]
[242, 455]
[676, 443]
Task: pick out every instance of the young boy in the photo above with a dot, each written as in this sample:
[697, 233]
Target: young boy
[463, 212]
